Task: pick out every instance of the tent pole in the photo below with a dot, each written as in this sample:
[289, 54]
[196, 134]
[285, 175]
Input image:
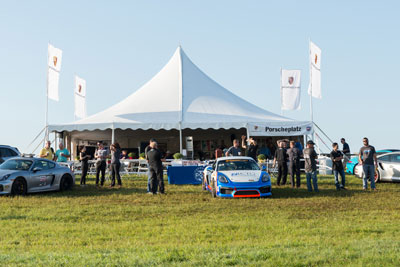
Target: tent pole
[180, 138]
[112, 135]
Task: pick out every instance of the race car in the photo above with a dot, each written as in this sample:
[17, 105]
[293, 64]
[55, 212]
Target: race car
[19, 176]
[234, 177]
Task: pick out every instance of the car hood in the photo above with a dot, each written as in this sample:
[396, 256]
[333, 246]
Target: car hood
[242, 176]
[5, 172]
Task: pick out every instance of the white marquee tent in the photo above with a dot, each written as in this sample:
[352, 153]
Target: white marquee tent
[181, 97]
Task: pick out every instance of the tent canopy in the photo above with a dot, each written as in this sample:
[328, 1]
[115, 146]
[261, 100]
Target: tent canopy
[180, 96]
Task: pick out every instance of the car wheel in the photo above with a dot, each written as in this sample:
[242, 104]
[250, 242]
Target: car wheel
[66, 182]
[377, 176]
[214, 189]
[19, 187]
[354, 169]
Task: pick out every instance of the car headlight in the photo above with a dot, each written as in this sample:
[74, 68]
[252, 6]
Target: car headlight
[265, 178]
[5, 177]
[222, 179]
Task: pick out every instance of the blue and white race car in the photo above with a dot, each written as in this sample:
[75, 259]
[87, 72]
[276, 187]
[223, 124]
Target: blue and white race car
[234, 177]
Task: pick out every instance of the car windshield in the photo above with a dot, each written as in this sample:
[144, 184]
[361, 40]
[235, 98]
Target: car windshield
[238, 164]
[16, 164]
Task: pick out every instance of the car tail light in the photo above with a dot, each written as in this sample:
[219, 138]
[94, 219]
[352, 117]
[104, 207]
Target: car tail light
[350, 161]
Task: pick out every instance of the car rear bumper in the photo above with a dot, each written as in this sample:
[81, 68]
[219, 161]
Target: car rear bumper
[239, 192]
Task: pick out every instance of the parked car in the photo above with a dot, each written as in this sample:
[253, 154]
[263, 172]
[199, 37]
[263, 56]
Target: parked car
[234, 177]
[352, 163]
[388, 168]
[7, 152]
[22, 175]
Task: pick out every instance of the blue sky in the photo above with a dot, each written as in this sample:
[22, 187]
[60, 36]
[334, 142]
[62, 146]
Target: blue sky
[119, 45]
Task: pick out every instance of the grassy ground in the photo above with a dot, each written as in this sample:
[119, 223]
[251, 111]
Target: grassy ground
[125, 227]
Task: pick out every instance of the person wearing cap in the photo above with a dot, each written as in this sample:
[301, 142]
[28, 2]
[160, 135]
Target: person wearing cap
[310, 166]
[281, 157]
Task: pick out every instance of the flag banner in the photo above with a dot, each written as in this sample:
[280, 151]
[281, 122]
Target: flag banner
[290, 89]
[314, 87]
[80, 86]
[80, 106]
[54, 57]
[80, 97]
[53, 77]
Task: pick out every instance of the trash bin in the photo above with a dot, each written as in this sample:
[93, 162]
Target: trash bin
[324, 165]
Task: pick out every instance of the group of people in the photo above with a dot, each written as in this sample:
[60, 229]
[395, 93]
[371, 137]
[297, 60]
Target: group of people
[287, 160]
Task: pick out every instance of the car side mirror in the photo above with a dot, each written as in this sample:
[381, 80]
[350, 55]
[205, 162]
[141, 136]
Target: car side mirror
[209, 169]
[37, 169]
[263, 168]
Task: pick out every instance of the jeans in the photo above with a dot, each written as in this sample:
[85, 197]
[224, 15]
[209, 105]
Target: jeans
[148, 181]
[101, 168]
[157, 181]
[342, 174]
[369, 173]
[115, 167]
[282, 171]
[294, 169]
[313, 176]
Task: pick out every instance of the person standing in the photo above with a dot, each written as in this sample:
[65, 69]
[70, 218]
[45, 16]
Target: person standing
[101, 164]
[234, 150]
[218, 152]
[84, 158]
[346, 152]
[337, 166]
[294, 163]
[310, 165]
[155, 169]
[367, 158]
[251, 149]
[281, 158]
[62, 154]
[146, 150]
[115, 164]
[47, 152]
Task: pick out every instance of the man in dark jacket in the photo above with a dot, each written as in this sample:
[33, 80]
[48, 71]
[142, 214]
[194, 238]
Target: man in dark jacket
[337, 166]
[281, 158]
[155, 169]
[294, 163]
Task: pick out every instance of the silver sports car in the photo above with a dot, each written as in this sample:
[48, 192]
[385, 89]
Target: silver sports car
[388, 168]
[19, 176]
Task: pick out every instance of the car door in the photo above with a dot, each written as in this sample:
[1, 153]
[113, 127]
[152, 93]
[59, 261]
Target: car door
[385, 171]
[394, 165]
[42, 176]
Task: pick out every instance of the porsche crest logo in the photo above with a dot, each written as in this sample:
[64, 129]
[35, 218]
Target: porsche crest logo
[316, 59]
[55, 61]
[290, 80]
[80, 88]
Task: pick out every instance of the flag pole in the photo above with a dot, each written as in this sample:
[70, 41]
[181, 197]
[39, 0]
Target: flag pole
[311, 87]
[280, 86]
[46, 134]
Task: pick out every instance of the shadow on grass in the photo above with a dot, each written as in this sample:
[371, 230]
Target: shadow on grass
[285, 192]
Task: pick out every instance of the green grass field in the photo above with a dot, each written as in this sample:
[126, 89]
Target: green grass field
[125, 227]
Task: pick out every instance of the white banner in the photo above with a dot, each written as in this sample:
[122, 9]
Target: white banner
[290, 89]
[54, 57]
[53, 77]
[80, 97]
[314, 87]
[294, 128]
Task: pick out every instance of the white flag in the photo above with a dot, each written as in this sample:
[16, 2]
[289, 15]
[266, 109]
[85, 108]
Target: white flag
[314, 87]
[290, 89]
[52, 84]
[54, 57]
[80, 97]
